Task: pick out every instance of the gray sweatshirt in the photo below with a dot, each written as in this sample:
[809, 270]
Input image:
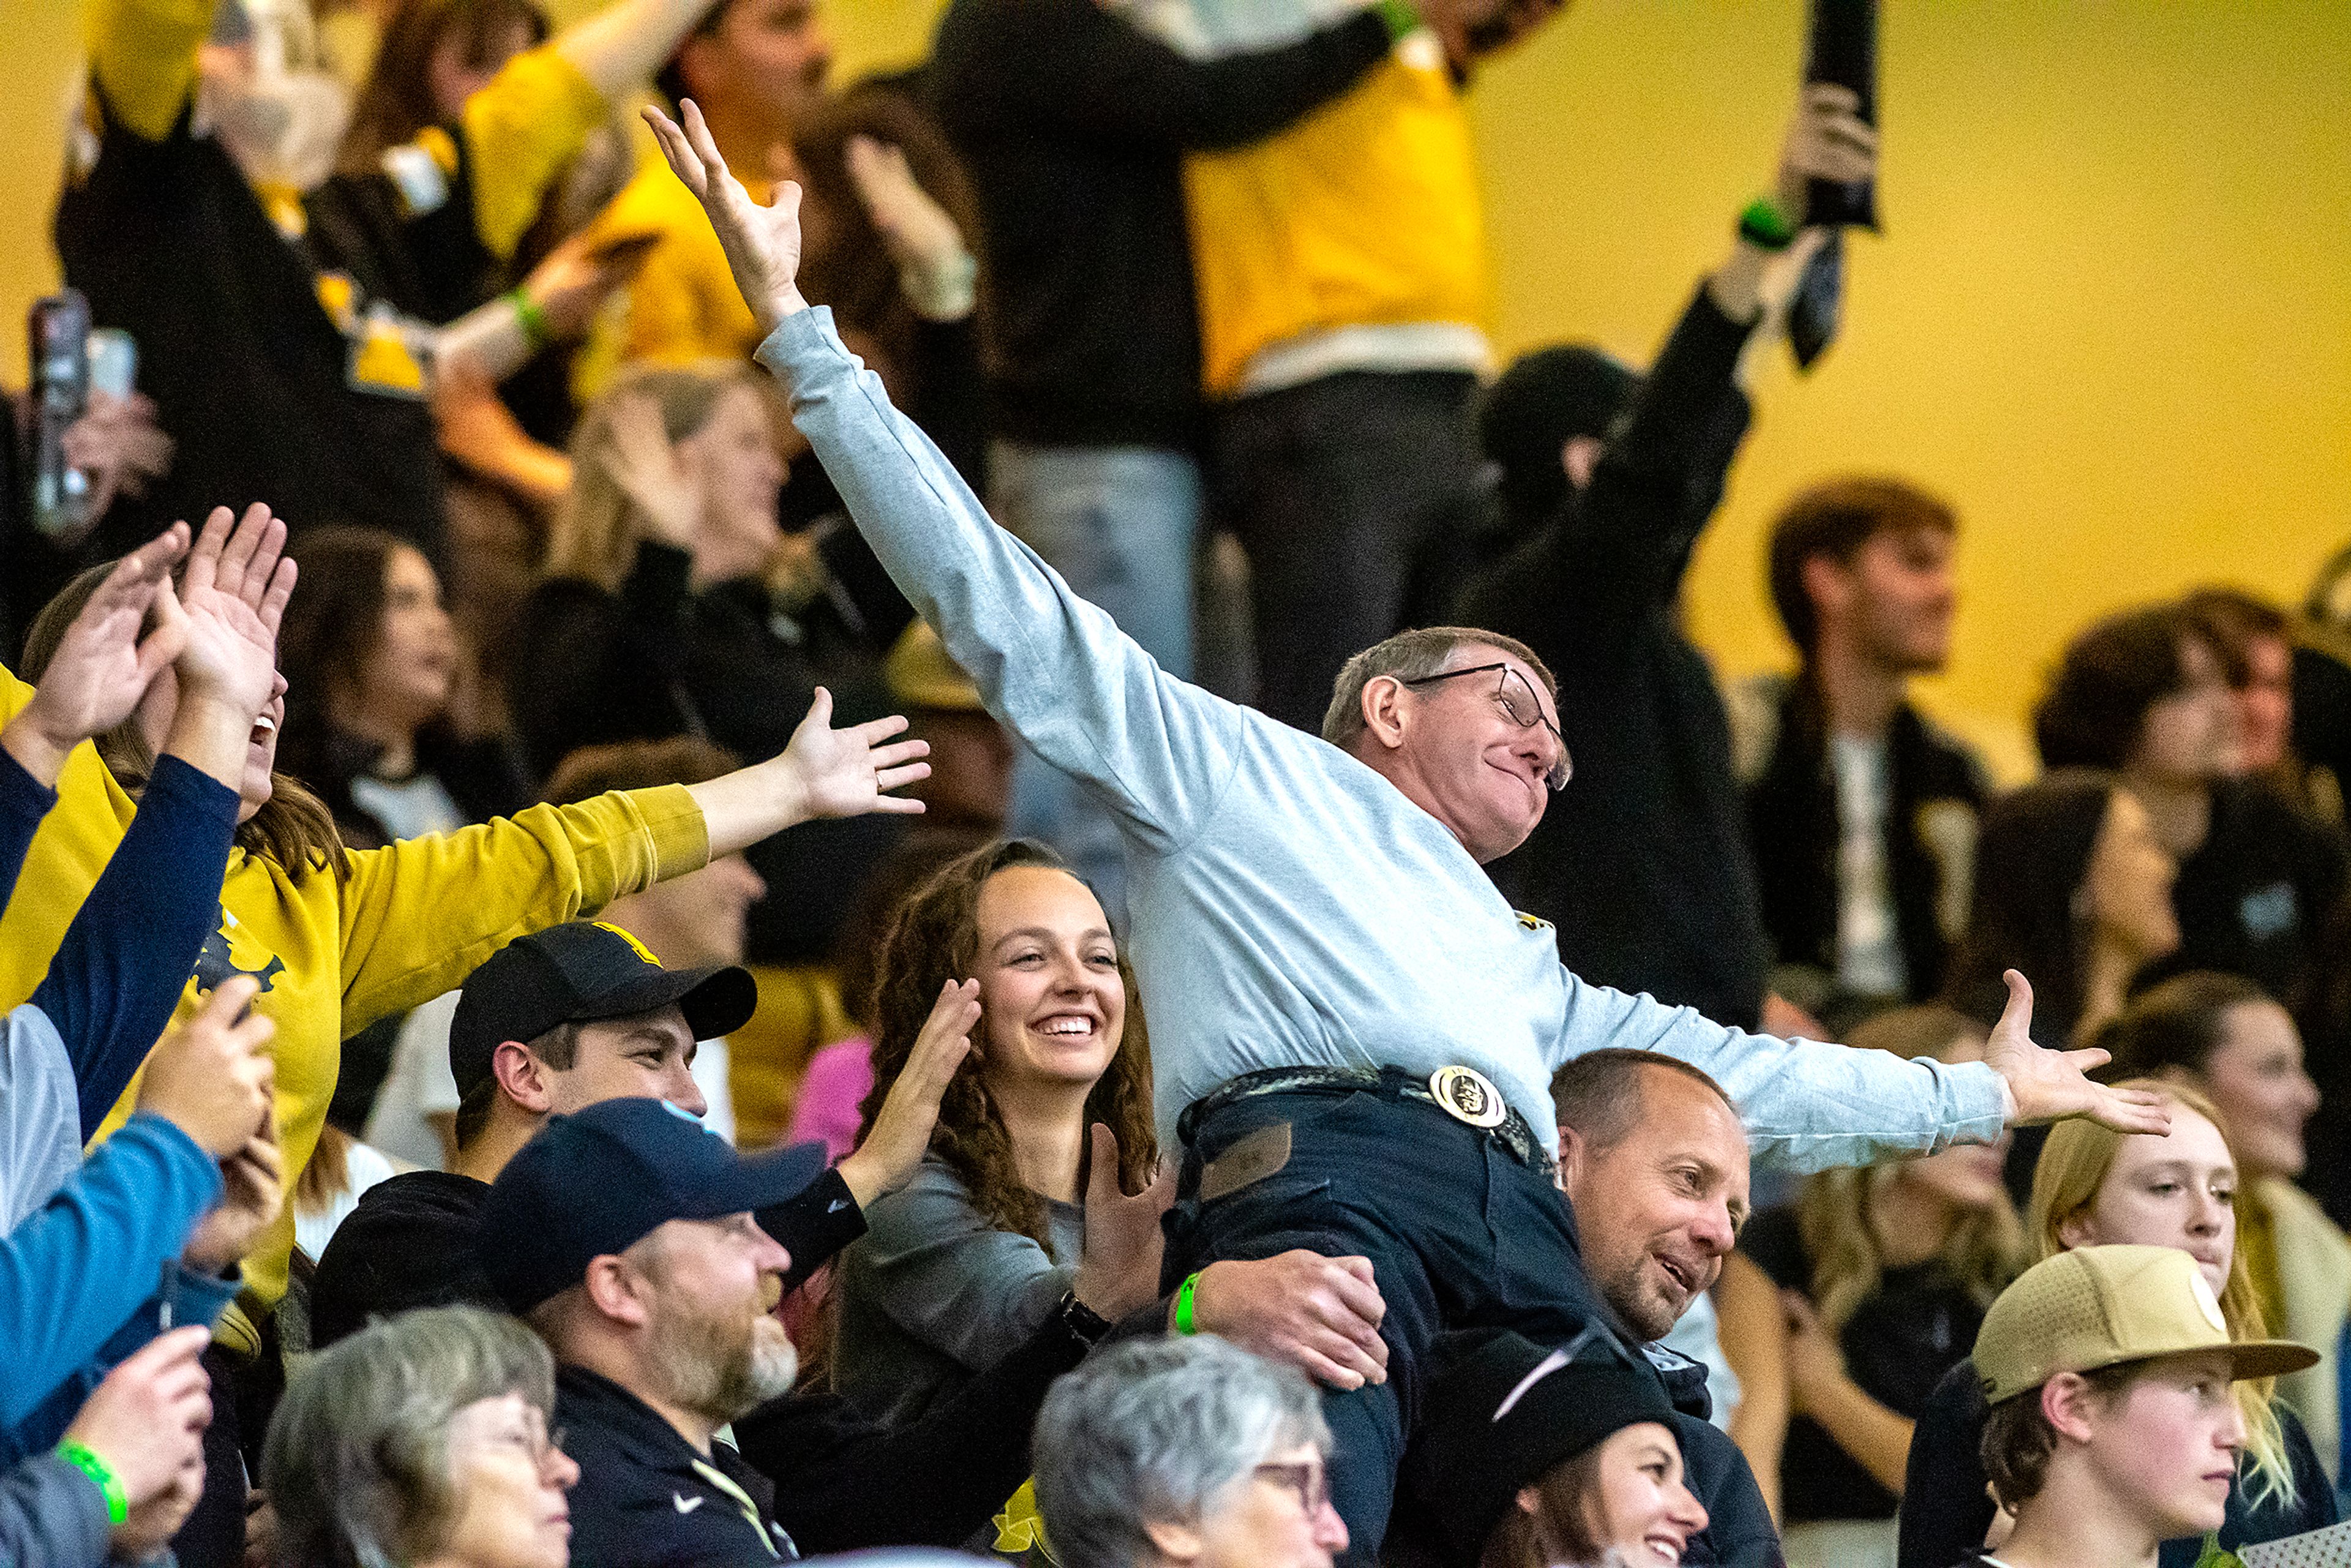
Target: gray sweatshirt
[932, 1294]
[1291, 906]
[51, 1515]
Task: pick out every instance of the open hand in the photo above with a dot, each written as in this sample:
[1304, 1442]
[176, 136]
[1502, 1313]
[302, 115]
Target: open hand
[762, 244]
[916, 229]
[1320, 1314]
[902, 1128]
[119, 444]
[850, 772]
[642, 460]
[2044, 1085]
[234, 593]
[1119, 1270]
[103, 666]
[575, 279]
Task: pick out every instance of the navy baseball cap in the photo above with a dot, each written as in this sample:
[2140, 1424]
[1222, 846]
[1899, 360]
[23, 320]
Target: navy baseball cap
[601, 1179]
[578, 973]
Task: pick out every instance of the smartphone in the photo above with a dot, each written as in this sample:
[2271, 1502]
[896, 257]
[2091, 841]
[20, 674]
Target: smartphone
[113, 362]
[58, 333]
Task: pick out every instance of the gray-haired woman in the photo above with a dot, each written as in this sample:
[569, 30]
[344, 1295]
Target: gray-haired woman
[422, 1442]
[1186, 1451]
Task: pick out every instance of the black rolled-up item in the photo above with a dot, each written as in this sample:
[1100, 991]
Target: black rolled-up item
[1843, 51]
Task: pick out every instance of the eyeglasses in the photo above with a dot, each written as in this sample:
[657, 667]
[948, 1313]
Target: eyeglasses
[1305, 1478]
[1519, 700]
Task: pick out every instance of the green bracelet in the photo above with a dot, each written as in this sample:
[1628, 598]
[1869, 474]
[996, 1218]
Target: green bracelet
[1184, 1321]
[1401, 18]
[1764, 226]
[118, 1505]
[531, 320]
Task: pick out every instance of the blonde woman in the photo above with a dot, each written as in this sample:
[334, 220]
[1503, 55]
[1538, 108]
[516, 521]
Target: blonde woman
[1842, 1311]
[2094, 1188]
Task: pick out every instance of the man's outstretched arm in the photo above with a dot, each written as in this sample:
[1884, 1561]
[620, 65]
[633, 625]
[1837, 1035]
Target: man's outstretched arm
[1809, 1106]
[1054, 669]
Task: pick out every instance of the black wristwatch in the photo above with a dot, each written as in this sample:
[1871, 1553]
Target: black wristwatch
[1084, 1324]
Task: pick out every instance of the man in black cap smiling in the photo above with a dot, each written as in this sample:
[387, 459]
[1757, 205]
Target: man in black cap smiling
[625, 1234]
[565, 1019]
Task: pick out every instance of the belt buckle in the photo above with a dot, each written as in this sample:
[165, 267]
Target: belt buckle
[1467, 1096]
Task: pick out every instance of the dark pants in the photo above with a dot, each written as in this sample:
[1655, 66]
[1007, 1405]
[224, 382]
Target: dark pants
[1458, 1232]
[1356, 496]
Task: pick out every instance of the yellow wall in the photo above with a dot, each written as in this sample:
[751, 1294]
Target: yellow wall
[2110, 318]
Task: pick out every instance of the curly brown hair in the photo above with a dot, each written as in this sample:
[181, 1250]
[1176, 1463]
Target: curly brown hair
[934, 938]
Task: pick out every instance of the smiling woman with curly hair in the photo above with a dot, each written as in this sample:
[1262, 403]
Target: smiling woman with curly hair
[973, 1254]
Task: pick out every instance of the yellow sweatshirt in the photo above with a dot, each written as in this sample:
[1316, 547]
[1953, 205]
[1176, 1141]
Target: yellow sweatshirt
[1364, 213]
[683, 306]
[414, 920]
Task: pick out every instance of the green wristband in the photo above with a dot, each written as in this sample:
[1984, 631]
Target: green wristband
[1765, 226]
[118, 1505]
[1184, 1324]
[536, 331]
[1401, 18]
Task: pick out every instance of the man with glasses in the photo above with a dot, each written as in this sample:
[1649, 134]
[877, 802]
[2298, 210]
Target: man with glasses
[1352, 1033]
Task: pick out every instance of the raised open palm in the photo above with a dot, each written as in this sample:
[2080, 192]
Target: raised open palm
[850, 772]
[2051, 1085]
[762, 244]
[233, 592]
[102, 666]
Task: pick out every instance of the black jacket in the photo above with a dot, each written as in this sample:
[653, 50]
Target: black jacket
[659, 658]
[249, 374]
[817, 1476]
[1641, 862]
[1937, 791]
[1946, 1510]
[1072, 124]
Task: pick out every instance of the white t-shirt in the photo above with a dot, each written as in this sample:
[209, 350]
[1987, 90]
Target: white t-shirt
[365, 1167]
[1869, 941]
[419, 1083]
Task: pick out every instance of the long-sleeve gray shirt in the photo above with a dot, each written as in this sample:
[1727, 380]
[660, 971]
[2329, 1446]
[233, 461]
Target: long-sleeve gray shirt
[933, 1293]
[1291, 906]
[51, 1515]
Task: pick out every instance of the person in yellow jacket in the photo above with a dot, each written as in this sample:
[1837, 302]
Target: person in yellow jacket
[1343, 294]
[340, 938]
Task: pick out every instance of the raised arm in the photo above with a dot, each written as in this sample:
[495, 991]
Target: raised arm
[1809, 1106]
[119, 973]
[523, 129]
[1053, 668]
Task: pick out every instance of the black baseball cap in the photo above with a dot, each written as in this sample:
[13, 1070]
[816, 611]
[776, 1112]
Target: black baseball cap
[600, 1179]
[578, 973]
[1498, 1411]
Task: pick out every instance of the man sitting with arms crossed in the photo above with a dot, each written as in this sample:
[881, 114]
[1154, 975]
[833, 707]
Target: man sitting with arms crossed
[2113, 1428]
[1331, 973]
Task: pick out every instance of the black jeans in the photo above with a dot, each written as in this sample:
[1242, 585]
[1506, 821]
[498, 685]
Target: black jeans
[1459, 1233]
[1356, 496]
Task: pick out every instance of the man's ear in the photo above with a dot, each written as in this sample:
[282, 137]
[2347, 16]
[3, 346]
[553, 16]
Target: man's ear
[522, 1077]
[1578, 456]
[1574, 1153]
[616, 1290]
[1828, 583]
[1386, 711]
[1177, 1543]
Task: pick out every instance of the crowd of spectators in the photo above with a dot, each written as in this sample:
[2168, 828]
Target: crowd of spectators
[666, 907]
